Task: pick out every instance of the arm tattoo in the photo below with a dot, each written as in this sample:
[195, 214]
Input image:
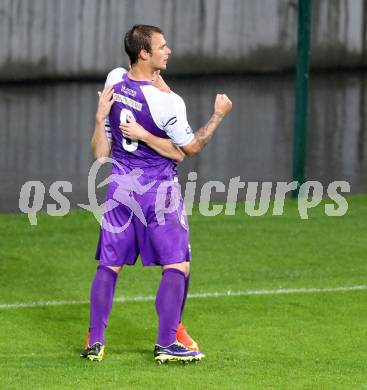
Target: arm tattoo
[204, 134]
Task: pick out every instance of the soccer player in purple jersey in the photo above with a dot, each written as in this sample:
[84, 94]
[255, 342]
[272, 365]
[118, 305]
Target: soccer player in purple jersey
[145, 129]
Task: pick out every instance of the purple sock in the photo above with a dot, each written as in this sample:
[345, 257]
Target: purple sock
[187, 285]
[101, 297]
[168, 304]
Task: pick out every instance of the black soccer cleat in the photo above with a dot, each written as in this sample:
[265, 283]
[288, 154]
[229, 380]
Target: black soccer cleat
[94, 352]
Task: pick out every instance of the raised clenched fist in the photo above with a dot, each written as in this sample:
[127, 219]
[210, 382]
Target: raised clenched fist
[222, 104]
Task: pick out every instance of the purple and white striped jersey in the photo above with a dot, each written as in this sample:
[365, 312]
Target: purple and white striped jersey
[162, 114]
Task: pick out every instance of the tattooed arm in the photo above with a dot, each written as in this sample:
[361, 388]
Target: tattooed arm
[202, 136]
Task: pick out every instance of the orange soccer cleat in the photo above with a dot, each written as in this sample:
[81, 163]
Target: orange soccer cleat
[184, 338]
[84, 353]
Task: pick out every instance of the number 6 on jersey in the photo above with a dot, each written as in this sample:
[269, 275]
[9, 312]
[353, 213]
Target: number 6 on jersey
[127, 144]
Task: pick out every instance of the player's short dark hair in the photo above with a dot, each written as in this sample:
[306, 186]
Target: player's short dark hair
[139, 38]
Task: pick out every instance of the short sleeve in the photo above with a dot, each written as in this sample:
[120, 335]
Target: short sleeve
[175, 122]
[115, 76]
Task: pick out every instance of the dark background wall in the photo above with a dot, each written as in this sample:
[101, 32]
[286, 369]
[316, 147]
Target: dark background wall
[82, 38]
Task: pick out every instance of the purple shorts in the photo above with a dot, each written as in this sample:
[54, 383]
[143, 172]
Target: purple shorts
[145, 224]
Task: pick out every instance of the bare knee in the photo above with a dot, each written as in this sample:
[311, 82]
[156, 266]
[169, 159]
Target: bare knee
[115, 269]
[183, 267]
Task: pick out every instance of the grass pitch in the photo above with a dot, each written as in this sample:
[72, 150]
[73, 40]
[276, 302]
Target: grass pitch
[299, 340]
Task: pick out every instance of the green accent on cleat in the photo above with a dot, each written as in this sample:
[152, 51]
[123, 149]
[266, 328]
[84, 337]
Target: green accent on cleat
[163, 359]
[176, 352]
[93, 353]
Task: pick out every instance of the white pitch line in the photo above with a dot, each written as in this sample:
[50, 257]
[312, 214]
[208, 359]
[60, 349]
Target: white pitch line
[280, 291]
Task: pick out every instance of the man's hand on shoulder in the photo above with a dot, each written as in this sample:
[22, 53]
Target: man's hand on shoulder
[159, 83]
[105, 102]
[101, 146]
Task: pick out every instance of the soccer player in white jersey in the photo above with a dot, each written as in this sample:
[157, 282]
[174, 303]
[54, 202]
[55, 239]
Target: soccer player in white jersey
[147, 131]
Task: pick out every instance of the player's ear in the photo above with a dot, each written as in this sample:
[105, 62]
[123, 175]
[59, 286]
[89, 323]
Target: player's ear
[144, 55]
